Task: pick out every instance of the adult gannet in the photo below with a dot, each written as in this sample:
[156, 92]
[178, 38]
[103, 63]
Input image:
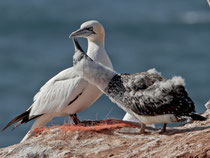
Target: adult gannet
[147, 96]
[67, 93]
[96, 49]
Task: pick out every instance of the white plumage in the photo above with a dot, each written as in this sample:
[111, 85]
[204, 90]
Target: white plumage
[129, 117]
[57, 92]
[67, 93]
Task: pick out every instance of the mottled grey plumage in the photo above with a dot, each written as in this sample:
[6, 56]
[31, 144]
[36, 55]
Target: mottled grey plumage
[137, 95]
[147, 96]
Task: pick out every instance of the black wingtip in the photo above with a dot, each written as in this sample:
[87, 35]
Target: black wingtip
[20, 119]
[17, 119]
[77, 45]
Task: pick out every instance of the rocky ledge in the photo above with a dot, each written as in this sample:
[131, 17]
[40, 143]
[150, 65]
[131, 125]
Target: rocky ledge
[117, 141]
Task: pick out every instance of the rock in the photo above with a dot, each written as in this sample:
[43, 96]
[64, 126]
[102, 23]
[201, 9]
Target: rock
[189, 140]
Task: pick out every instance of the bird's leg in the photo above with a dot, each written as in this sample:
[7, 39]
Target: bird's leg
[74, 118]
[143, 126]
[164, 128]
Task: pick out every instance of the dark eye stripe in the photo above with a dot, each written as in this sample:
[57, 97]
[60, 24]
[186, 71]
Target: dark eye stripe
[89, 28]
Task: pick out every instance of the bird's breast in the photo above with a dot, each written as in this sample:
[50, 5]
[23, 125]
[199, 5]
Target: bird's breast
[167, 118]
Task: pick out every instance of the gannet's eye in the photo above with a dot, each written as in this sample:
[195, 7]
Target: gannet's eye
[89, 28]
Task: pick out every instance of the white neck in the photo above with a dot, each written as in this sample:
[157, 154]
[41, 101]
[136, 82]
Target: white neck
[97, 52]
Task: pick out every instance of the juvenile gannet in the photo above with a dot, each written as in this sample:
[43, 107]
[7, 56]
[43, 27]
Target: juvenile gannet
[67, 93]
[147, 96]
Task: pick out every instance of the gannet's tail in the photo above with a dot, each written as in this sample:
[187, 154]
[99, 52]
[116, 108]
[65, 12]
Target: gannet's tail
[197, 117]
[91, 71]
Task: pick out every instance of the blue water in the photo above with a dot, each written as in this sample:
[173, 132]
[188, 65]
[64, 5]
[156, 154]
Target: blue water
[171, 36]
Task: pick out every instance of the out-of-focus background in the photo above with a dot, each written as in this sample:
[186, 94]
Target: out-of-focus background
[171, 36]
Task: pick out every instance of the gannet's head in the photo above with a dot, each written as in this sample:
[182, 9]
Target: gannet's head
[92, 30]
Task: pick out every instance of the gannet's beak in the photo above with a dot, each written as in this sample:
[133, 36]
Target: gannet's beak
[84, 32]
[77, 45]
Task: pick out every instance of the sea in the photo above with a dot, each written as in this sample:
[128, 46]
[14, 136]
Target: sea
[171, 36]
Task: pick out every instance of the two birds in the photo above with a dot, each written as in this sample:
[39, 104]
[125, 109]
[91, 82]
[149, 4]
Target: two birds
[147, 97]
[67, 93]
